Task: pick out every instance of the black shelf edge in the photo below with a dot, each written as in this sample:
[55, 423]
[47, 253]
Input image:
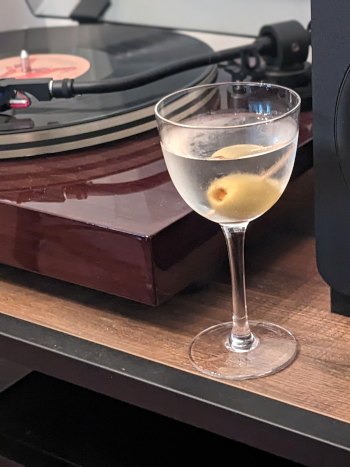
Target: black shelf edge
[281, 429]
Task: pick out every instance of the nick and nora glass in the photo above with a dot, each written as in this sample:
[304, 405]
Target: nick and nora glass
[230, 149]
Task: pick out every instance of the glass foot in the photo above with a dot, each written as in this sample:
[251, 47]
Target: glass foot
[210, 352]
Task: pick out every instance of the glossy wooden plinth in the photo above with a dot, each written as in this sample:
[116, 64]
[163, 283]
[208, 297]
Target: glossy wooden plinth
[109, 218]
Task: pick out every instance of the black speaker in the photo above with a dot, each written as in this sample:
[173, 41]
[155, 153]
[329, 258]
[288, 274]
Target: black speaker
[330, 38]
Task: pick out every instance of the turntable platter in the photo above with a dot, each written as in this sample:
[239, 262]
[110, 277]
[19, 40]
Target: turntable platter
[90, 53]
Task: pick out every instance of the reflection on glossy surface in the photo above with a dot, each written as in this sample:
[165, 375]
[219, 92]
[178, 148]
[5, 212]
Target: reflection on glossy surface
[120, 185]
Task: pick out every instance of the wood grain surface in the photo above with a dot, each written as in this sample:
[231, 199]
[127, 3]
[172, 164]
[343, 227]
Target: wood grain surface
[283, 287]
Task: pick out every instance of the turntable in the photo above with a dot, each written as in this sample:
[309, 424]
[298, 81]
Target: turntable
[84, 193]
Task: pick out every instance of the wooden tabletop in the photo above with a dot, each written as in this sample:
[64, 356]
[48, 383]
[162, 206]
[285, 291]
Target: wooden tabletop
[139, 353]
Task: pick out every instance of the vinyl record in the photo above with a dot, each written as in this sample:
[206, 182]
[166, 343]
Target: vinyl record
[90, 53]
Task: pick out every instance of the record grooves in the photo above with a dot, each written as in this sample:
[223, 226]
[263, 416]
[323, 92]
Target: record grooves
[112, 52]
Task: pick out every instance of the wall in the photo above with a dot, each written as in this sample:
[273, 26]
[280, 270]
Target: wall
[15, 14]
[243, 17]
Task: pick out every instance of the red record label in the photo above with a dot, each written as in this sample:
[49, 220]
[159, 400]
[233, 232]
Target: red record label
[56, 66]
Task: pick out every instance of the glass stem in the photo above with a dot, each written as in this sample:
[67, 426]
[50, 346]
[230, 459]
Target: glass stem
[241, 338]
